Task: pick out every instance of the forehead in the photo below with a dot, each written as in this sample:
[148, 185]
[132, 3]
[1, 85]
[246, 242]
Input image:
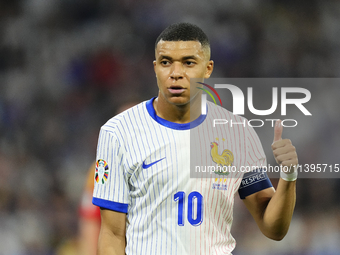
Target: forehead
[179, 48]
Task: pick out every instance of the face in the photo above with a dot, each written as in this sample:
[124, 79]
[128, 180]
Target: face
[176, 62]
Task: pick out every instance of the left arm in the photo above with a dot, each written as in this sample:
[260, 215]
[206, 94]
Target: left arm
[273, 210]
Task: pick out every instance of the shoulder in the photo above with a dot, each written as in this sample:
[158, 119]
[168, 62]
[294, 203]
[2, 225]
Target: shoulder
[220, 116]
[125, 119]
[216, 111]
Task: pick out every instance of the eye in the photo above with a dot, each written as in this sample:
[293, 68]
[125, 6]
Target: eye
[190, 63]
[165, 62]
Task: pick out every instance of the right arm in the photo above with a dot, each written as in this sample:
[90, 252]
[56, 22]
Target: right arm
[112, 233]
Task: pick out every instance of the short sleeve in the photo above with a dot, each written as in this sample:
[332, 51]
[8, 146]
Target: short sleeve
[255, 179]
[111, 190]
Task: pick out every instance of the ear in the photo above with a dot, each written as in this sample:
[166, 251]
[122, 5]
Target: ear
[209, 69]
[154, 65]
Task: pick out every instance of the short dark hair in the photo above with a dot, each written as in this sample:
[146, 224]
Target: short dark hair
[183, 32]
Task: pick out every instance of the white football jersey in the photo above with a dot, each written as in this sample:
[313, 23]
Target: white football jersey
[143, 169]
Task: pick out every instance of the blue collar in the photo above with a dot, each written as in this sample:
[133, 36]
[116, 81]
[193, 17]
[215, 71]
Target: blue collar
[170, 124]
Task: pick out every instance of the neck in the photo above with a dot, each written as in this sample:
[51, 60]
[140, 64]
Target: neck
[178, 113]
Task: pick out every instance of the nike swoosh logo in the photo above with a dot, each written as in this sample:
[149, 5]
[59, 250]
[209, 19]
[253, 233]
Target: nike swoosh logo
[145, 166]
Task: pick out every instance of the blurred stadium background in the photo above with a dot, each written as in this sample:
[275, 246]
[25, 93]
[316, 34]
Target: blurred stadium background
[67, 65]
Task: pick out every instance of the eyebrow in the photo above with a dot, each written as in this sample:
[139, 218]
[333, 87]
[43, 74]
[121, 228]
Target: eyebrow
[184, 58]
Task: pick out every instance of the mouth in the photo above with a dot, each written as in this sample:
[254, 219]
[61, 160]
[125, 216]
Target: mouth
[176, 89]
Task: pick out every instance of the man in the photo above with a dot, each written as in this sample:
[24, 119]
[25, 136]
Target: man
[149, 204]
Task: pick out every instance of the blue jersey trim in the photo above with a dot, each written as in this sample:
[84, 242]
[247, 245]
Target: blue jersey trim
[170, 124]
[114, 206]
[253, 182]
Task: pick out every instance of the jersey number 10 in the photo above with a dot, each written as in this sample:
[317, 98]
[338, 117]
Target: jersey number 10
[194, 220]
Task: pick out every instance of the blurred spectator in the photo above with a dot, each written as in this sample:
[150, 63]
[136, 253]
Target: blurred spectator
[89, 214]
[89, 218]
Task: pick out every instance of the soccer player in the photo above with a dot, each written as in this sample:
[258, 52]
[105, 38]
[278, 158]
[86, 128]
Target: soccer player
[149, 204]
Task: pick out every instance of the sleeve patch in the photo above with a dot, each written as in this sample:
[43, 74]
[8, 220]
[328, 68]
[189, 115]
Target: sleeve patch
[253, 182]
[102, 171]
[114, 206]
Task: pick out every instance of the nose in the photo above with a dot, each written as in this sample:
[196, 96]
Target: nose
[177, 71]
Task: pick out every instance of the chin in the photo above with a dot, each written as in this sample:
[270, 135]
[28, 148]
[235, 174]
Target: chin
[179, 100]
